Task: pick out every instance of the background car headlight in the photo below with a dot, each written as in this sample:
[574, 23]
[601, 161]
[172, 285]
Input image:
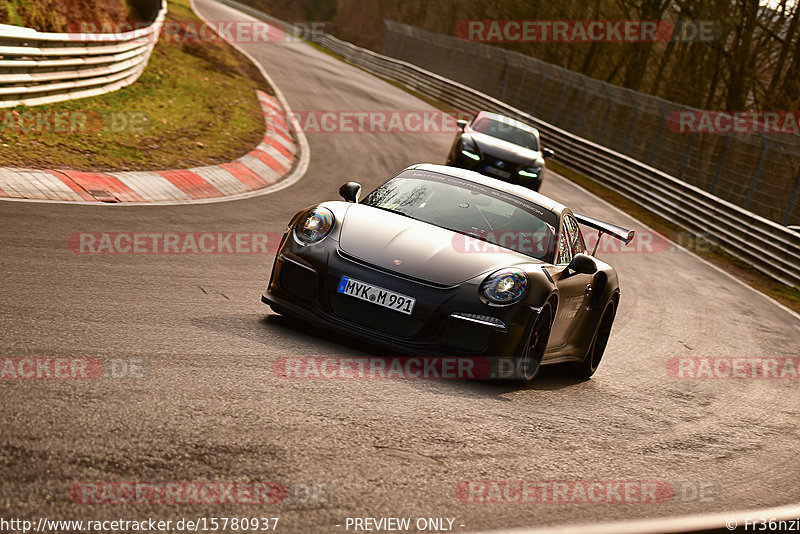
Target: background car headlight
[531, 172]
[469, 150]
[314, 225]
[505, 286]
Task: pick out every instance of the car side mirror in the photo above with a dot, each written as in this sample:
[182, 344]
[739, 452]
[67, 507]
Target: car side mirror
[548, 153]
[581, 264]
[350, 191]
[461, 123]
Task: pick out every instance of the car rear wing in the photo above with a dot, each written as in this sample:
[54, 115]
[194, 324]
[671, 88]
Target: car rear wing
[602, 227]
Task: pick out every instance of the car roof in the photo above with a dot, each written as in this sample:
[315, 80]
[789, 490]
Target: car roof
[517, 190]
[506, 120]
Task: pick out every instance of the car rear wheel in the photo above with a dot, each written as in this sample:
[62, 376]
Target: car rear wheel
[594, 354]
[530, 360]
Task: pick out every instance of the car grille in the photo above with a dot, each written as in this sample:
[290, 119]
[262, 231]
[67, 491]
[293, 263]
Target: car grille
[373, 316]
[465, 336]
[300, 282]
[504, 170]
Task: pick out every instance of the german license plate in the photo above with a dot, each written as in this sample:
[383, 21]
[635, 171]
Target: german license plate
[376, 295]
[497, 172]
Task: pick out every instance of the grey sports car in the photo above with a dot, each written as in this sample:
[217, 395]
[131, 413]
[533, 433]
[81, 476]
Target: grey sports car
[444, 261]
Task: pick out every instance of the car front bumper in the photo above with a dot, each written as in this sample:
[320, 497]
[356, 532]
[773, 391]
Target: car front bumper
[304, 284]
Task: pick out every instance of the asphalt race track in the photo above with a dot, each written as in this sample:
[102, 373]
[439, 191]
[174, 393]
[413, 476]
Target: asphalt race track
[210, 407]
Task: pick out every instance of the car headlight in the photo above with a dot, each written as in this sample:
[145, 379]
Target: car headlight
[314, 225]
[505, 286]
[531, 172]
[469, 150]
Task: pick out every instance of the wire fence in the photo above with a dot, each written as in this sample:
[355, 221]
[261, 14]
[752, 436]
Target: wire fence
[758, 172]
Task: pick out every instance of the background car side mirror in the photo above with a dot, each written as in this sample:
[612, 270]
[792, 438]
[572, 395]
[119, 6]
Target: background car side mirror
[582, 264]
[350, 191]
[548, 153]
[461, 123]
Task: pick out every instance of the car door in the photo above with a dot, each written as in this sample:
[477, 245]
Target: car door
[573, 289]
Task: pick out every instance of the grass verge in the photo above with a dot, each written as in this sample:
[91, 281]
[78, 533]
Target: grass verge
[195, 104]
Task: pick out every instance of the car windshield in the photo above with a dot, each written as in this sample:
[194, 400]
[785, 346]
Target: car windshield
[497, 218]
[506, 132]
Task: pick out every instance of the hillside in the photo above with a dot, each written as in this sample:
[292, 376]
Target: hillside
[58, 15]
[752, 62]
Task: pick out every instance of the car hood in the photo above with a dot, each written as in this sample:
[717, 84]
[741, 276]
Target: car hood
[423, 251]
[499, 149]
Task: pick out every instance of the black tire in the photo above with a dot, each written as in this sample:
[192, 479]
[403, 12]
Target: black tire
[594, 353]
[530, 359]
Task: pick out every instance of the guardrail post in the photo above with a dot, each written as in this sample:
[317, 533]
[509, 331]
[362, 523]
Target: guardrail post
[633, 122]
[467, 55]
[583, 104]
[535, 103]
[685, 159]
[792, 201]
[657, 141]
[519, 86]
[718, 170]
[504, 77]
[560, 98]
[757, 175]
[611, 103]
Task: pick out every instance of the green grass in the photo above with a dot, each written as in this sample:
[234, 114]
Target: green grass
[12, 15]
[195, 104]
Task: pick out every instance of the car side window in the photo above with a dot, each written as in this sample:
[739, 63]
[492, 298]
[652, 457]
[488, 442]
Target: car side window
[564, 249]
[577, 244]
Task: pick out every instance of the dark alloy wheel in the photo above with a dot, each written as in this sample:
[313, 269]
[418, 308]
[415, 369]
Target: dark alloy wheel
[588, 366]
[529, 362]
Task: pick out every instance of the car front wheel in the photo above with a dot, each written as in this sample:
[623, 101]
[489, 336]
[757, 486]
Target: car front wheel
[530, 360]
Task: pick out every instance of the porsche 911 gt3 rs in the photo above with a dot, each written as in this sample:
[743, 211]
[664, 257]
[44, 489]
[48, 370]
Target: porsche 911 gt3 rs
[444, 261]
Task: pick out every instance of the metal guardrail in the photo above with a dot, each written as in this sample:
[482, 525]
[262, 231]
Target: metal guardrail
[41, 68]
[769, 247]
[758, 171]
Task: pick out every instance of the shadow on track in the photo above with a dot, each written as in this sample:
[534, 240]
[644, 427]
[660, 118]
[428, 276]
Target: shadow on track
[321, 342]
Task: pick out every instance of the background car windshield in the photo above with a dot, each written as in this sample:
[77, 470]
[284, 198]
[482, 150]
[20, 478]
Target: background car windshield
[478, 211]
[506, 132]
